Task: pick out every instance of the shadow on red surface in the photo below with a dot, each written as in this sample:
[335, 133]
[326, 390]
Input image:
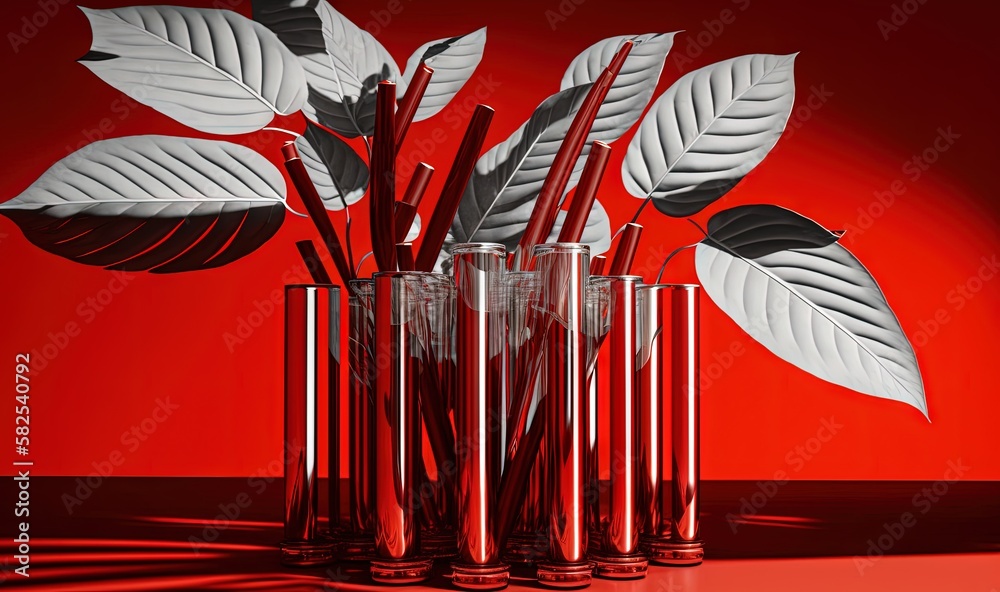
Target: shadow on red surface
[221, 534]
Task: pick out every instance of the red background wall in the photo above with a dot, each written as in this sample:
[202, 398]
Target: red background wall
[885, 100]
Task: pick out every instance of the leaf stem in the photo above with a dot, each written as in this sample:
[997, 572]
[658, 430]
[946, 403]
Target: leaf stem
[659, 276]
[282, 130]
[635, 218]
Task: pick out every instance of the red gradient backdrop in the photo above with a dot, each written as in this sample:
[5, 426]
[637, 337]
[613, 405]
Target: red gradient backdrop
[878, 102]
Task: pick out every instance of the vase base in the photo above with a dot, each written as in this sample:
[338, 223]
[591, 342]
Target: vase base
[676, 553]
[406, 571]
[620, 567]
[524, 549]
[480, 577]
[306, 554]
[565, 575]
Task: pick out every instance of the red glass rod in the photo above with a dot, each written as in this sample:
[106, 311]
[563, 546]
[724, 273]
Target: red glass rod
[317, 211]
[619, 556]
[586, 193]
[625, 253]
[411, 101]
[397, 429]
[406, 210]
[383, 178]
[543, 215]
[312, 365]
[562, 269]
[454, 187]
[479, 330]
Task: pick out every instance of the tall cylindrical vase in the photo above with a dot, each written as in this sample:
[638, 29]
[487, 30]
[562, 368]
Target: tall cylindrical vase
[619, 556]
[668, 385]
[685, 546]
[527, 543]
[479, 334]
[399, 323]
[312, 374]
[437, 505]
[596, 326]
[654, 343]
[563, 270]
[359, 539]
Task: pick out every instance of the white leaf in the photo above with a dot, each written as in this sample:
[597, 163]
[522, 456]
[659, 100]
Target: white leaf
[634, 86]
[820, 310]
[333, 166]
[414, 231]
[343, 63]
[157, 203]
[453, 60]
[708, 130]
[213, 70]
[508, 177]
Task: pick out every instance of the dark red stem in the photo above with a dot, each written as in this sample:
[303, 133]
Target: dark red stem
[586, 193]
[314, 205]
[411, 100]
[543, 215]
[454, 187]
[625, 253]
[310, 256]
[383, 178]
[406, 210]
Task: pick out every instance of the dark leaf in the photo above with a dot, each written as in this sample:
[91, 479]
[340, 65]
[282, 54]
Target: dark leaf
[757, 230]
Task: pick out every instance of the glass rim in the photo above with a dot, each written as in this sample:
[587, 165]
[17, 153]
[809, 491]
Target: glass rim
[301, 286]
[462, 248]
[668, 286]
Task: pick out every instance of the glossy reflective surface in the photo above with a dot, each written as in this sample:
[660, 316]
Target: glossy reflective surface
[480, 332]
[397, 417]
[563, 270]
[361, 410]
[312, 364]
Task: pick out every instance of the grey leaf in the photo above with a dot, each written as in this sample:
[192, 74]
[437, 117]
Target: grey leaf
[708, 130]
[157, 203]
[339, 174]
[444, 259]
[820, 310]
[343, 63]
[761, 229]
[508, 177]
[297, 24]
[213, 70]
[454, 60]
[634, 86]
